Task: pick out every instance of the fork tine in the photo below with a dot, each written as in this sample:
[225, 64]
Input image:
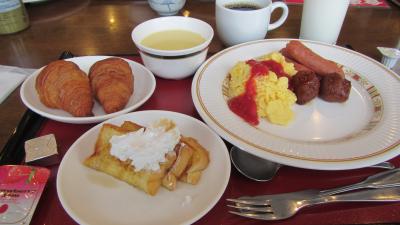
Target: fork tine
[250, 208]
[256, 202]
[263, 216]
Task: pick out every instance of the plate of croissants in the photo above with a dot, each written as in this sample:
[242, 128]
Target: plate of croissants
[87, 89]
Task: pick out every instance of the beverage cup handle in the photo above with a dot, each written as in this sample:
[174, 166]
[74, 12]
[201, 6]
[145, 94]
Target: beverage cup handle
[283, 17]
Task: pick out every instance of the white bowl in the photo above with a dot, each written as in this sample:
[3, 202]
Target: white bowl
[173, 64]
[167, 8]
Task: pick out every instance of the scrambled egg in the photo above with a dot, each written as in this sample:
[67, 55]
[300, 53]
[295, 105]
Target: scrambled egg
[273, 98]
[278, 57]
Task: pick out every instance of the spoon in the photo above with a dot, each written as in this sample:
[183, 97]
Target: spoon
[253, 167]
[259, 169]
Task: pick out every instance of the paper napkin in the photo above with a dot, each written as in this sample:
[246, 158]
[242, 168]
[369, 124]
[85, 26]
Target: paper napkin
[10, 78]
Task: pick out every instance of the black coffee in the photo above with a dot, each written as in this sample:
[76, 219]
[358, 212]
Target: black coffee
[242, 6]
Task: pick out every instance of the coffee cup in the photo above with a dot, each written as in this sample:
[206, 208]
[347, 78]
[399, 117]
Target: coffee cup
[241, 21]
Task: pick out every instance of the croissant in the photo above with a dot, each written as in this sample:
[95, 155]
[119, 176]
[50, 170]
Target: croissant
[111, 81]
[62, 85]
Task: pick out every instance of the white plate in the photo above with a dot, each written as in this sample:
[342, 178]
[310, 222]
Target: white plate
[328, 136]
[144, 86]
[92, 197]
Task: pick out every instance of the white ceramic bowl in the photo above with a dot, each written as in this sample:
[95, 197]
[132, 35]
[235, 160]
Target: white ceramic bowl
[166, 7]
[173, 64]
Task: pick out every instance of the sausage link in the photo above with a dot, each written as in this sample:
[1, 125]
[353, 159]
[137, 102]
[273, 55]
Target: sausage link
[300, 53]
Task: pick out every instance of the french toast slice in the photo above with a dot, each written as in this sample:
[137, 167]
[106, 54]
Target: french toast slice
[184, 153]
[101, 160]
[130, 126]
[198, 162]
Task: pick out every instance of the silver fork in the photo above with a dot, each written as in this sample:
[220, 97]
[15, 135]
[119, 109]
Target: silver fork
[388, 178]
[283, 208]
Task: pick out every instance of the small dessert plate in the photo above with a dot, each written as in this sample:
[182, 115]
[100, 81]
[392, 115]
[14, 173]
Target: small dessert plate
[101, 199]
[144, 86]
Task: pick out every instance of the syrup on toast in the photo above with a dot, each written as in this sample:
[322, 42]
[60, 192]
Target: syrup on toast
[184, 153]
[199, 161]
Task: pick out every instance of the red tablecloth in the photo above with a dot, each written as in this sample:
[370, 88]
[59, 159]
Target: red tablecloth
[176, 96]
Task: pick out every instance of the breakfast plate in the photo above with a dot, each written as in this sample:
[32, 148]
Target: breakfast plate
[360, 132]
[144, 86]
[92, 197]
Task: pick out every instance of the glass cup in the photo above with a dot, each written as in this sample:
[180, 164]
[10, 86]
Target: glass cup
[322, 19]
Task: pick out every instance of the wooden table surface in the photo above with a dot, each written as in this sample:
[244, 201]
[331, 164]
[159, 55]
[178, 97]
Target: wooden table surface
[87, 27]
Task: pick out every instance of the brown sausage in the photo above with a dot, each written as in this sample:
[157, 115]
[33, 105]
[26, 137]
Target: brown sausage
[334, 89]
[297, 66]
[299, 52]
[305, 86]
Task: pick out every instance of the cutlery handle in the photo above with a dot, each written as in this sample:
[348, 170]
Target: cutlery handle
[389, 178]
[384, 165]
[375, 195]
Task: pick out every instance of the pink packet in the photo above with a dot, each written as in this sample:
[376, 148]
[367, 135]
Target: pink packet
[20, 191]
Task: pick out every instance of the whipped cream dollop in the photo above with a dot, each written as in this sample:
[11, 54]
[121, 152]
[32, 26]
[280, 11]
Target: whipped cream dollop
[146, 147]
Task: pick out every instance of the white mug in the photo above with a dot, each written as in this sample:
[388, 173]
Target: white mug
[322, 19]
[241, 21]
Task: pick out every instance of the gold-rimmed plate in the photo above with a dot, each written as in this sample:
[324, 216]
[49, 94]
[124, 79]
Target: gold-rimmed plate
[364, 130]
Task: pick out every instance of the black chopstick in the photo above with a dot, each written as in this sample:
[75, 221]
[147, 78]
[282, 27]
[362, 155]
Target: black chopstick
[13, 151]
